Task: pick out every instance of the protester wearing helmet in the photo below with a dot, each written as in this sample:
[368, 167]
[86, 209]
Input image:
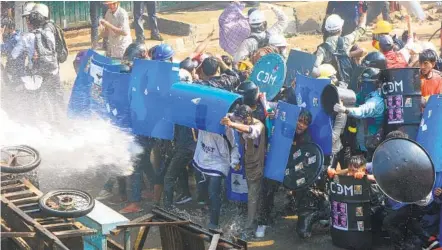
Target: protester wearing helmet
[163, 52]
[210, 74]
[116, 29]
[133, 51]
[327, 71]
[381, 28]
[189, 66]
[252, 139]
[371, 111]
[333, 26]
[431, 80]
[278, 41]
[269, 186]
[374, 59]
[349, 11]
[396, 58]
[260, 35]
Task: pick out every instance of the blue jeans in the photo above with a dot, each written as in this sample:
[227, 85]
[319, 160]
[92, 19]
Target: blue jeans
[97, 11]
[138, 10]
[210, 186]
[177, 170]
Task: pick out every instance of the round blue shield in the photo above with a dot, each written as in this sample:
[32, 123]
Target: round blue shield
[269, 74]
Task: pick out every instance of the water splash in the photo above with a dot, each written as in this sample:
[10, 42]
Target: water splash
[73, 146]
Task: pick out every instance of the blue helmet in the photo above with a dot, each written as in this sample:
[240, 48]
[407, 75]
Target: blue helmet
[162, 52]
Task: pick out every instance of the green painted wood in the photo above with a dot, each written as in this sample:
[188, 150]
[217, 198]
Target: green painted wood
[76, 13]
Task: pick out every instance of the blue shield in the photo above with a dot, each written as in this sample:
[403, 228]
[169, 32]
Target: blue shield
[298, 63]
[200, 107]
[429, 135]
[115, 92]
[149, 96]
[79, 100]
[236, 183]
[269, 74]
[308, 95]
[281, 140]
[96, 79]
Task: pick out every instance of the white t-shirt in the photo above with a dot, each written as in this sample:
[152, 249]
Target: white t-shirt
[117, 44]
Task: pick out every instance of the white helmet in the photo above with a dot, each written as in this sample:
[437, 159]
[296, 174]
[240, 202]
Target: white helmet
[42, 9]
[334, 23]
[256, 17]
[278, 40]
[27, 9]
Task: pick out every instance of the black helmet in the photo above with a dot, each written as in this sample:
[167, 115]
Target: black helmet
[374, 60]
[370, 75]
[188, 64]
[249, 91]
[135, 50]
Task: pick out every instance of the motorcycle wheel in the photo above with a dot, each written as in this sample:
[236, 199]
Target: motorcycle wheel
[66, 203]
[19, 159]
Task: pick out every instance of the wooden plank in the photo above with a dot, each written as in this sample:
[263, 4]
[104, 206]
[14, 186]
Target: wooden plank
[214, 242]
[114, 245]
[24, 200]
[9, 182]
[17, 234]
[74, 233]
[13, 186]
[17, 240]
[31, 211]
[27, 219]
[147, 217]
[154, 223]
[27, 205]
[58, 225]
[18, 193]
[141, 238]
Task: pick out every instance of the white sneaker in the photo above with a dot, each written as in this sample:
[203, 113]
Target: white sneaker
[260, 231]
[104, 194]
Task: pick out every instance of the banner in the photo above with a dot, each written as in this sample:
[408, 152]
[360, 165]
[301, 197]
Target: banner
[429, 135]
[269, 74]
[298, 63]
[283, 134]
[149, 97]
[308, 95]
[200, 107]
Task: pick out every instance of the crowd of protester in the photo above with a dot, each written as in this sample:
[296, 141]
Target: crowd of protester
[209, 156]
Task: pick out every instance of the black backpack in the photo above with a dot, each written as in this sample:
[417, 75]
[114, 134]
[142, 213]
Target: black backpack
[340, 60]
[60, 43]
